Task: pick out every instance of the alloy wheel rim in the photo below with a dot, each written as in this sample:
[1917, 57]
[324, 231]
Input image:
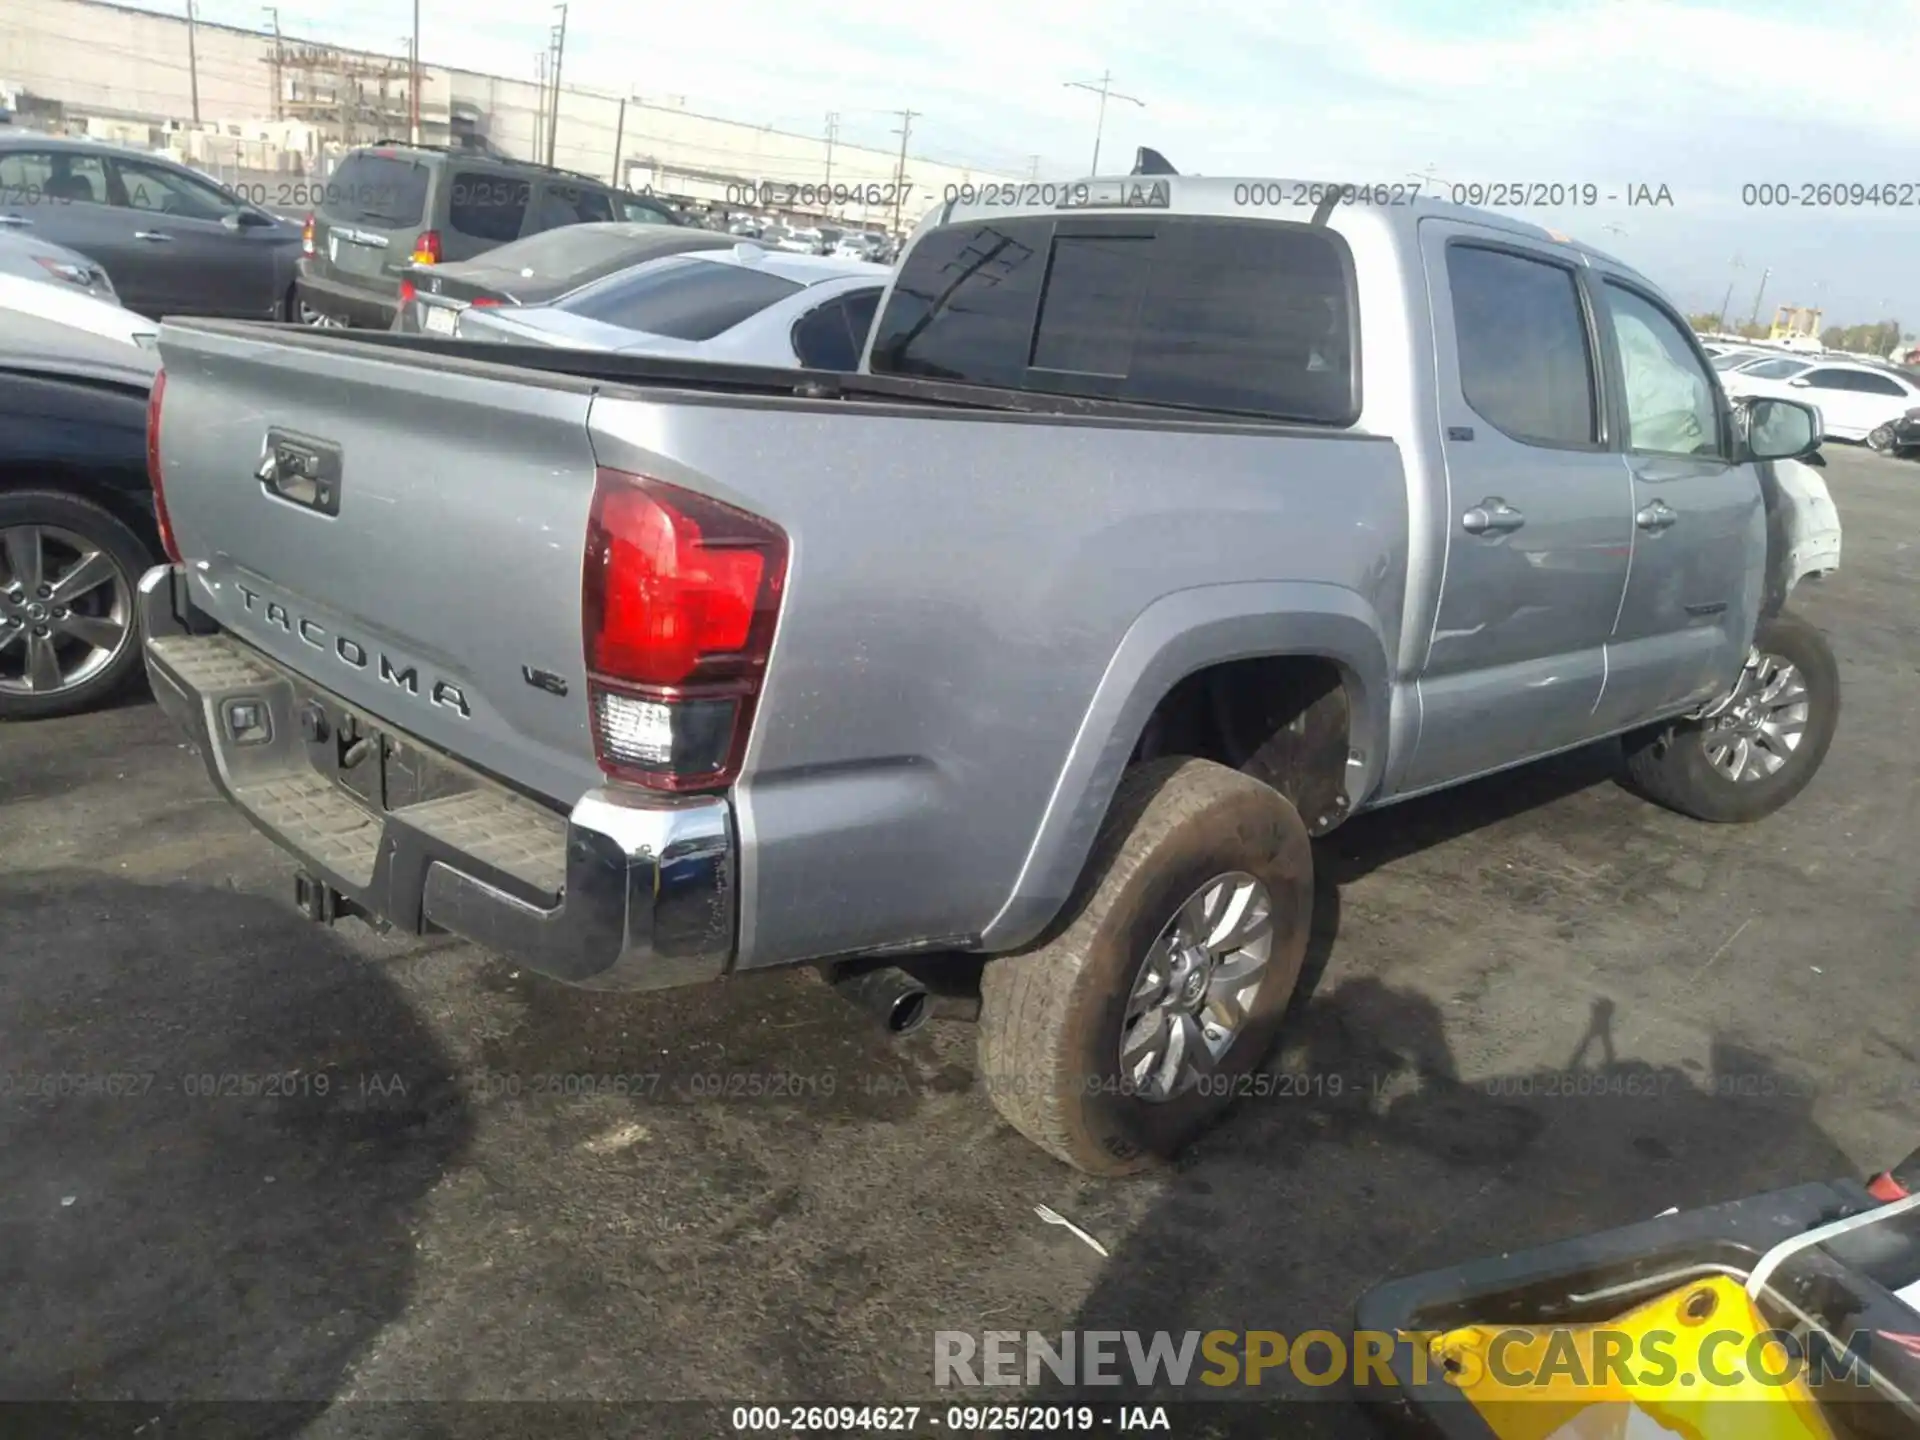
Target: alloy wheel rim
[66, 610]
[1195, 988]
[1763, 724]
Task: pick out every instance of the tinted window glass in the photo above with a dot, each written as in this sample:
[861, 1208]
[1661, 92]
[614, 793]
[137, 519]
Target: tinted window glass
[824, 341]
[167, 192]
[1777, 369]
[645, 212]
[373, 189]
[1524, 362]
[570, 206]
[488, 207]
[683, 298]
[1222, 315]
[1730, 359]
[861, 308]
[1670, 400]
[1831, 379]
[30, 177]
[1877, 384]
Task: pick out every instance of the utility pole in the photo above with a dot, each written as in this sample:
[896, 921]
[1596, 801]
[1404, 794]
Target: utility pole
[559, 53]
[619, 134]
[193, 63]
[1727, 302]
[907, 117]
[413, 75]
[1104, 89]
[273, 11]
[1033, 167]
[540, 115]
[1754, 319]
[833, 133]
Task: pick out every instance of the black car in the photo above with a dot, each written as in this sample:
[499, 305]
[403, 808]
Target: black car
[393, 205]
[173, 241]
[538, 269]
[77, 525]
[1901, 437]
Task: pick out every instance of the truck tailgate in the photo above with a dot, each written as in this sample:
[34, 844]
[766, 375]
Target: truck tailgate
[440, 594]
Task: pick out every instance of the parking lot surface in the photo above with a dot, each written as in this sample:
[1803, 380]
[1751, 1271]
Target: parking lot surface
[346, 1167]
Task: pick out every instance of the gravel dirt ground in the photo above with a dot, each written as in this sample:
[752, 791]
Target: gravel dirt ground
[350, 1168]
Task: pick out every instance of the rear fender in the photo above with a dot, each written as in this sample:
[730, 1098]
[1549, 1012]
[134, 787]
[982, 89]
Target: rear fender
[1175, 637]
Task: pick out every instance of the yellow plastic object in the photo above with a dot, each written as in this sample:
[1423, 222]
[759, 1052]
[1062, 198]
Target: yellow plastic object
[1681, 1365]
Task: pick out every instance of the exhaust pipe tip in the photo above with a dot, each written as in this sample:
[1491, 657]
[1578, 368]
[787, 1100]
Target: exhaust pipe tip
[898, 1000]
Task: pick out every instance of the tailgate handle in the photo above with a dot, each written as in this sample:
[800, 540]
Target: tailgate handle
[301, 471]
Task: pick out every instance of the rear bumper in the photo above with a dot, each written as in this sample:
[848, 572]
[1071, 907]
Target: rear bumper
[357, 305]
[626, 892]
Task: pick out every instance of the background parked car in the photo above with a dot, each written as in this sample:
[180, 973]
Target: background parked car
[391, 206]
[538, 269]
[861, 245]
[29, 258]
[174, 242]
[1855, 400]
[84, 310]
[76, 514]
[744, 305]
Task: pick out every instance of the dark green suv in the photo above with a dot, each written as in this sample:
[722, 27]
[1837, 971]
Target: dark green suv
[392, 205]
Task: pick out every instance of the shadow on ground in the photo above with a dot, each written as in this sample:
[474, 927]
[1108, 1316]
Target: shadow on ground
[230, 1214]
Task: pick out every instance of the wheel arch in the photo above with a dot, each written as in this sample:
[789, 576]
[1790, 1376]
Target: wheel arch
[1179, 637]
[131, 507]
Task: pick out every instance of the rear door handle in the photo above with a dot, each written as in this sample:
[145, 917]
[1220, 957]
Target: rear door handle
[151, 235]
[1492, 516]
[1657, 516]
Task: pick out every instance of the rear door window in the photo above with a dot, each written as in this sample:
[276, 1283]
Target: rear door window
[488, 207]
[1525, 365]
[832, 336]
[38, 177]
[683, 298]
[639, 211]
[1248, 317]
[375, 189]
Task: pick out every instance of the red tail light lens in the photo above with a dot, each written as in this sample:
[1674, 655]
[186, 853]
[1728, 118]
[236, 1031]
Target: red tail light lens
[154, 477]
[306, 236]
[426, 248]
[407, 292]
[481, 301]
[680, 597]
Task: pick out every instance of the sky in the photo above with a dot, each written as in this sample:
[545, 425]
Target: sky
[1701, 98]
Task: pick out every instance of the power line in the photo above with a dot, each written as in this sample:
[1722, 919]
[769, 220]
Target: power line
[1104, 89]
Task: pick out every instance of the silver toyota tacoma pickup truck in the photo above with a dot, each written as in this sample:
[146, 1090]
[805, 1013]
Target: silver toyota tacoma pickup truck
[1165, 525]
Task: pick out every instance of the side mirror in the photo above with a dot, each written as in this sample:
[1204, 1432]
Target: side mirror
[246, 220]
[1800, 384]
[1773, 429]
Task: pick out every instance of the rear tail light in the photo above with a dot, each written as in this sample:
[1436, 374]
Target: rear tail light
[679, 601]
[306, 236]
[480, 302]
[154, 477]
[407, 292]
[426, 248]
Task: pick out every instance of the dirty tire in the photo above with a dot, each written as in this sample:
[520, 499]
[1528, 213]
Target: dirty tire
[129, 553]
[1880, 438]
[1051, 1017]
[1669, 766]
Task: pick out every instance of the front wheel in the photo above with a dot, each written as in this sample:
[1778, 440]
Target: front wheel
[68, 635]
[1760, 747]
[1115, 1042]
[1880, 438]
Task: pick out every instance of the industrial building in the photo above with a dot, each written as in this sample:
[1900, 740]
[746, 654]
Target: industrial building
[241, 103]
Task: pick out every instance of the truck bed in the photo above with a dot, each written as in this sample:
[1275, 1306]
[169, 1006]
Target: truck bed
[979, 590]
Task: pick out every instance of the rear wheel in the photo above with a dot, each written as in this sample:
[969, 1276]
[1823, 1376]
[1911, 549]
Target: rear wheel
[1120, 1039]
[68, 635]
[1762, 746]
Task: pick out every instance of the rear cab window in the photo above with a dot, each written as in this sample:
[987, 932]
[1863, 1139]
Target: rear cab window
[373, 188]
[1246, 317]
[488, 206]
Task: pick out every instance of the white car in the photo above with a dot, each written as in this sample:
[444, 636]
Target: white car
[743, 306]
[70, 305]
[1854, 400]
[1768, 365]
